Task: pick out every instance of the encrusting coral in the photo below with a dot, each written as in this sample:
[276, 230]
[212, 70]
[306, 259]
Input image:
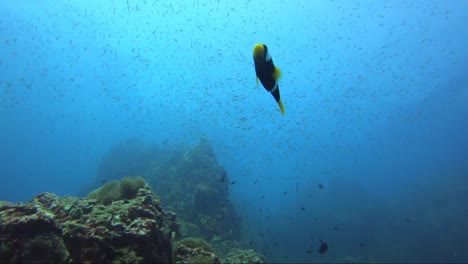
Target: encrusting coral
[114, 190]
[73, 230]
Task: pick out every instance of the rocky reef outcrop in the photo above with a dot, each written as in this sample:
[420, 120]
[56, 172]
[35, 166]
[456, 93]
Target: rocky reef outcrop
[196, 187]
[195, 250]
[188, 179]
[122, 221]
[72, 230]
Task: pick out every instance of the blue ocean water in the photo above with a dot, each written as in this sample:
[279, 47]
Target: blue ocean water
[375, 94]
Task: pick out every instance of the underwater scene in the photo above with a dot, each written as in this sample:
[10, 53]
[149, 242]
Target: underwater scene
[211, 131]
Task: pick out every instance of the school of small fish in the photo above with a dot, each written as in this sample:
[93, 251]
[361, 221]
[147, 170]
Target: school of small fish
[179, 70]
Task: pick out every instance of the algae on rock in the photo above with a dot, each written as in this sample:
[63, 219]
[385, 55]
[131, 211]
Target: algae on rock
[189, 181]
[114, 190]
[123, 231]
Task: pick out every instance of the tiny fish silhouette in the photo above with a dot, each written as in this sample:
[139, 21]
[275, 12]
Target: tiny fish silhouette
[323, 247]
[223, 177]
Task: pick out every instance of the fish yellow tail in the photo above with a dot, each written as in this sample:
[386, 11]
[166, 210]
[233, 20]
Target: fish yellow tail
[281, 106]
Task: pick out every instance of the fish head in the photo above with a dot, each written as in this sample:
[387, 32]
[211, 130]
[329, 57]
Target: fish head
[260, 51]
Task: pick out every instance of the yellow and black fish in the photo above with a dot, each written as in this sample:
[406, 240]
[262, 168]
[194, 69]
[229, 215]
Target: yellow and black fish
[267, 72]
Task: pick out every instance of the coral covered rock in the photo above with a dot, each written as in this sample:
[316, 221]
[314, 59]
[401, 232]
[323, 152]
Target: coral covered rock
[195, 250]
[196, 187]
[114, 190]
[64, 230]
[189, 180]
[244, 256]
[191, 183]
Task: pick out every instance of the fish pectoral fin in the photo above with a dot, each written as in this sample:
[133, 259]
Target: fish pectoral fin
[256, 80]
[280, 103]
[277, 73]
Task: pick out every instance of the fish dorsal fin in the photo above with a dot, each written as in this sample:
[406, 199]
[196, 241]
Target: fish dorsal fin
[277, 73]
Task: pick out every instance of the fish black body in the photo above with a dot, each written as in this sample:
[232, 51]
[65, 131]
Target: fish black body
[267, 72]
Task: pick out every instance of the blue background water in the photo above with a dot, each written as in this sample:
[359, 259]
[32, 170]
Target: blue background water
[375, 94]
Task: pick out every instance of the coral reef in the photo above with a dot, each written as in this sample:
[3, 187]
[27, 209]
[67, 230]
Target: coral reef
[114, 190]
[122, 221]
[230, 251]
[189, 180]
[72, 230]
[243, 256]
[194, 250]
[193, 184]
[51, 229]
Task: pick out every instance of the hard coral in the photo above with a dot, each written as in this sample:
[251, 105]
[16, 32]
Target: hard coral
[194, 242]
[47, 229]
[125, 189]
[129, 187]
[244, 256]
[107, 193]
[195, 250]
